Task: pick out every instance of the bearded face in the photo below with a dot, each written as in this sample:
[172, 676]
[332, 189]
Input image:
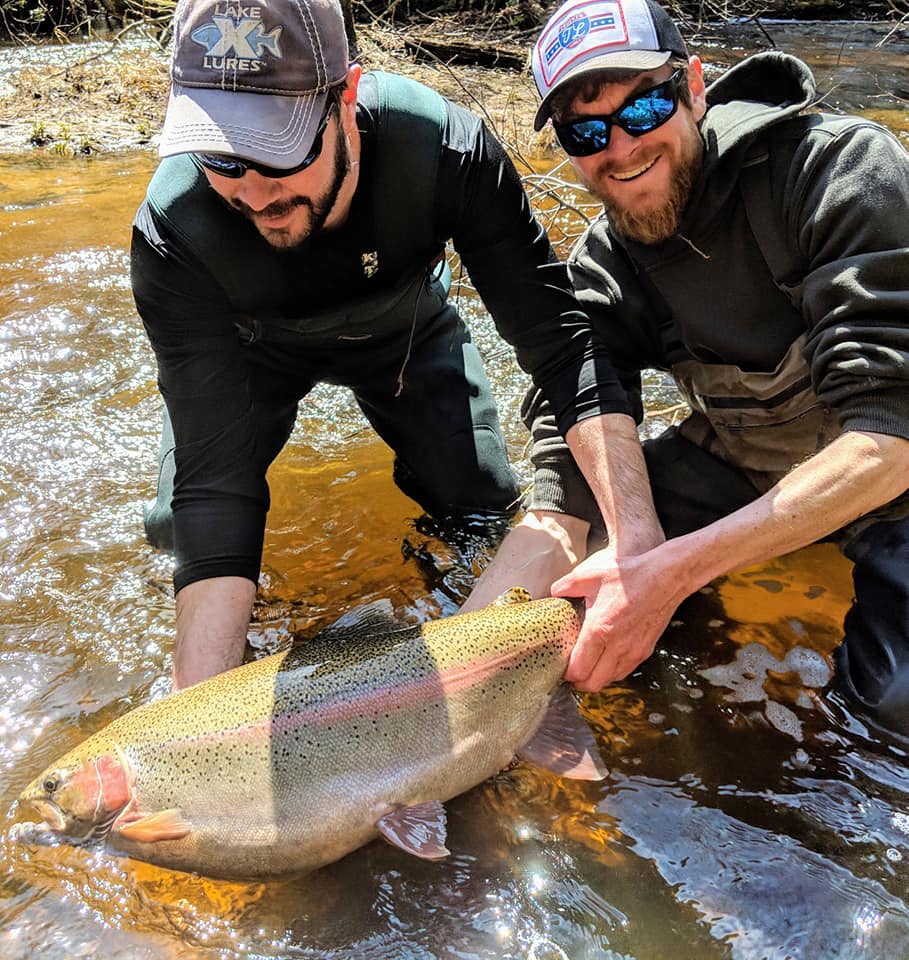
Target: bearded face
[296, 216]
[644, 182]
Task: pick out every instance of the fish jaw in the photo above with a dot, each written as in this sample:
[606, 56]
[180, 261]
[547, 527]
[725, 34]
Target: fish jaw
[80, 797]
[52, 817]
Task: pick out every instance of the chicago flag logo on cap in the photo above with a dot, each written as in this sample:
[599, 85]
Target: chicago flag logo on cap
[236, 38]
[558, 46]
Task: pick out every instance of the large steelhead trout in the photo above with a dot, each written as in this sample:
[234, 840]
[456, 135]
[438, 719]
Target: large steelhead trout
[292, 761]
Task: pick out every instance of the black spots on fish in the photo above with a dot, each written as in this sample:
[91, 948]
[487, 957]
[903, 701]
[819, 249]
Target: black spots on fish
[383, 726]
[173, 768]
[296, 746]
[291, 753]
[334, 653]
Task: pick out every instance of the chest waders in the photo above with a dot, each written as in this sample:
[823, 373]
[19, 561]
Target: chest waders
[402, 349]
[761, 422]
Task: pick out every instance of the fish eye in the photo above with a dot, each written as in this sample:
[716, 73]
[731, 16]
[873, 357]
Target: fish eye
[50, 784]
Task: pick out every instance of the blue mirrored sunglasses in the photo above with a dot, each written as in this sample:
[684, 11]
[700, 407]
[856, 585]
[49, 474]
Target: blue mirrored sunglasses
[639, 114]
[235, 168]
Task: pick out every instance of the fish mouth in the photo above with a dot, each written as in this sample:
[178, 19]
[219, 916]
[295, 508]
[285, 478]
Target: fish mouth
[75, 831]
[53, 816]
[33, 834]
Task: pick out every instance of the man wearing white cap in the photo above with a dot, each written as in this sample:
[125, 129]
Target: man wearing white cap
[295, 233]
[760, 254]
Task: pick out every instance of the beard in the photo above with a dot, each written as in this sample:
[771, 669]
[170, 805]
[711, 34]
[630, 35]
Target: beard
[656, 224]
[293, 237]
[652, 226]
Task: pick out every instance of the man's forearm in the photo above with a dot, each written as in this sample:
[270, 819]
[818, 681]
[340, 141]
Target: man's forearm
[608, 452]
[631, 597]
[212, 621]
[855, 474]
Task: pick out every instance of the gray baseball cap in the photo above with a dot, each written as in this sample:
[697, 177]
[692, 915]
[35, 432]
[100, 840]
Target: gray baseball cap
[251, 79]
[585, 36]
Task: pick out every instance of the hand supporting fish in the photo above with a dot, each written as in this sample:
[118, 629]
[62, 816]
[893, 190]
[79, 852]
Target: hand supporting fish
[292, 761]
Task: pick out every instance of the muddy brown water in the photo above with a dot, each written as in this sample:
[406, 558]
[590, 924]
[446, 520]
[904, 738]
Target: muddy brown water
[746, 815]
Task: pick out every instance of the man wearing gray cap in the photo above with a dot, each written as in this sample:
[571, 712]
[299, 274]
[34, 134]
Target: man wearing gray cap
[295, 233]
[760, 254]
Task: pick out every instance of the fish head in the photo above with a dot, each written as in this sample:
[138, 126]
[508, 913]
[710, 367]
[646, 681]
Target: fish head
[81, 795]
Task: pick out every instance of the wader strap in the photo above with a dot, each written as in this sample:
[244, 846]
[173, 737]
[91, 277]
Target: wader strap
[412, 119]
[765, 217]
[763, 198]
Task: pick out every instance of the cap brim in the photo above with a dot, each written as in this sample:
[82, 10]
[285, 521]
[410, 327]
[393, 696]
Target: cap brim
[274, 130]
[620, 60]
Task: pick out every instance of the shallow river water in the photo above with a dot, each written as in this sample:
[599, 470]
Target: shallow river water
[746, 815]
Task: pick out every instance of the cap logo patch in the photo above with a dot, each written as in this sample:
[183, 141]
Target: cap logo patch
[236, 38]
[570, 35]
[558, 43]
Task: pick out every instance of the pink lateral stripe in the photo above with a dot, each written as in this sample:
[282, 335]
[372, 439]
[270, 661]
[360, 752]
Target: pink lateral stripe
[393, 698]
[390, 698]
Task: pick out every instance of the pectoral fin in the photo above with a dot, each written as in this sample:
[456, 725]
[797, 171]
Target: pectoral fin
[163, 825]
[419, 829]
[564, 743]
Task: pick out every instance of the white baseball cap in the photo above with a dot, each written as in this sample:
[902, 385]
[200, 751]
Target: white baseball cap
[584, 36]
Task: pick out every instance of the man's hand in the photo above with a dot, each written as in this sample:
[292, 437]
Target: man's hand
[538, 550]
[628, 607]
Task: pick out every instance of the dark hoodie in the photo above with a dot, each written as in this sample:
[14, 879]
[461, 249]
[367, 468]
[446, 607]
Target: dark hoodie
[836, 193]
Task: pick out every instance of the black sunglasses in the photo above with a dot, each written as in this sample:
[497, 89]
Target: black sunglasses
[639, 114]
[232, 167]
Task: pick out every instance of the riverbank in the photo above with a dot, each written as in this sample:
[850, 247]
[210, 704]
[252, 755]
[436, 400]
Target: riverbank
[85, 99]
[104, 96]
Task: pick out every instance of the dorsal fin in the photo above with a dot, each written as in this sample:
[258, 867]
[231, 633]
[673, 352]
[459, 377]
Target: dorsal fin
[512, 596]
[368, 619]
